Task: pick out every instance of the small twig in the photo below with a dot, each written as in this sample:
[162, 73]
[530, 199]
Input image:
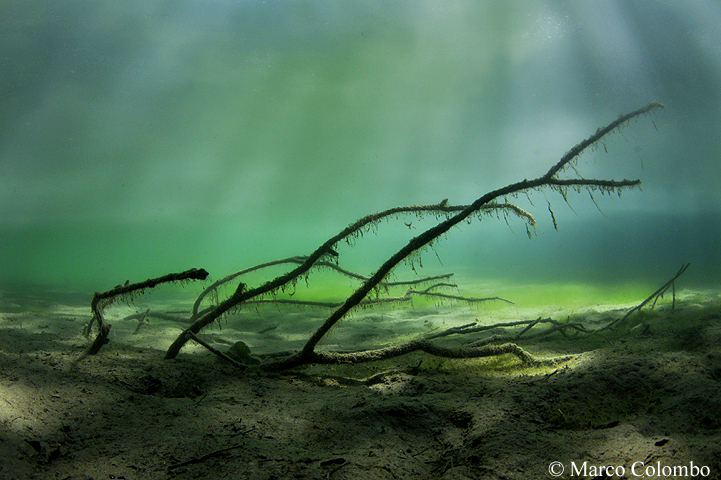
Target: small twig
[452, 330]
[481, 328]
[379, 300]
[528, 327]
[673, 296]
[268, 329]
[337, 468]
[422, 451]
[209, 455]
[426, 292]
[158, 315]
[654, 296]
[142, 319]
[216, 351]
[492, 339]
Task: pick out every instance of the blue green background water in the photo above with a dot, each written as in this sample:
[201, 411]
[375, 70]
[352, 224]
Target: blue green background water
[146, 137]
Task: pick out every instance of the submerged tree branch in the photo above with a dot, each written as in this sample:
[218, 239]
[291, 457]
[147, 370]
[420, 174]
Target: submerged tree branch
[326, 249]
[307, 354]
[326, 256]
[440, 208]
[102, 300]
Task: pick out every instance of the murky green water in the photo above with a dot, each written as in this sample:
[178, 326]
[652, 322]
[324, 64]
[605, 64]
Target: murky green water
[152, 137]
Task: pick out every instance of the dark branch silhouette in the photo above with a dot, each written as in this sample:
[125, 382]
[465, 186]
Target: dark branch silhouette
[326, 256]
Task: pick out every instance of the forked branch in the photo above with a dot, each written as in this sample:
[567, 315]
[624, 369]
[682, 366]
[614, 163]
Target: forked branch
[325, 255]
[308, 354]
[324, 251]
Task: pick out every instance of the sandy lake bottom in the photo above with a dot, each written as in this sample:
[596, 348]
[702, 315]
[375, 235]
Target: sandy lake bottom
[644, 398]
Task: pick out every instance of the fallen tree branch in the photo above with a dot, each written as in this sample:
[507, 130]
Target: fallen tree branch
[428, 293]
[102, 300]
[326, 256]
[308, 354]
[397, 350]
[328, 248]
[472, 328]
[374, 301]
[300, 260]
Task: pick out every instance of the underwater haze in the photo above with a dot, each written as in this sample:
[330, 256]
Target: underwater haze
[147, 137]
